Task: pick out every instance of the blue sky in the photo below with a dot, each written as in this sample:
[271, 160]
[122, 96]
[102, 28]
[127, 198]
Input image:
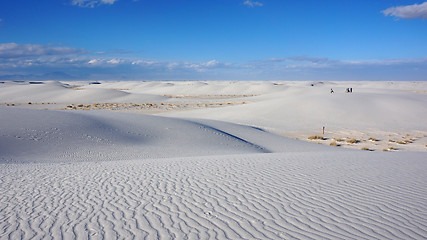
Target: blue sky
[213, 40]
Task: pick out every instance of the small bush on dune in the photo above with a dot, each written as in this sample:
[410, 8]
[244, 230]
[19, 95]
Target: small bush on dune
[334, 144]
[366, 149]
[389, 149]
[315, 137]
[404, 141]
[352, 140]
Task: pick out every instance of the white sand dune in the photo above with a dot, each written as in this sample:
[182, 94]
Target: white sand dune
[386, 111]
[102, 174]
[317, 195]
[301, 107]
[41, 136]
[60, 93]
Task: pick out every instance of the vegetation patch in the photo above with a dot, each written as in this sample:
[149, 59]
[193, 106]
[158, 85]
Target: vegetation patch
[316, 137]
[404, 141]
[389, 149]
[352, 140]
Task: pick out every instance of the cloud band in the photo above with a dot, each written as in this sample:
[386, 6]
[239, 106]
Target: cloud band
[408, 12]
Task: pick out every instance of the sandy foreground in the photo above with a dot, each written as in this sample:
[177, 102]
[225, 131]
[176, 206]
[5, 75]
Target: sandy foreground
[213, 160]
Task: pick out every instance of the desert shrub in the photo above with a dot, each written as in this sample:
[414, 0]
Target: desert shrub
[338, 139]
[334, 144]
[390, 148]
[366, 149]
[315, 137]
[404, 141]
[373, 139]
[352, 140]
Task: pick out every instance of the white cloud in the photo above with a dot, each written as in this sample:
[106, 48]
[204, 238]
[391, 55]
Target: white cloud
[252, 4]
[408, 12]
[92, 3]
[18, 60]
[384, 62]
[105, 62]
[144, 62]
[203, 66]
[14, 50]
[93, 66]
[108, 1]
[115, 61]
[304, 62]
[301, 59]
[211, 63]
[93, 61]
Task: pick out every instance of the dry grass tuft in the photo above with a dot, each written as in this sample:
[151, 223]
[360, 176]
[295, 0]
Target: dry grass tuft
[315, 137]
[373, 139]
[404, 141]
[389, 149]
[352, 140]
[334, 144]
[366, 149]
[339, 139]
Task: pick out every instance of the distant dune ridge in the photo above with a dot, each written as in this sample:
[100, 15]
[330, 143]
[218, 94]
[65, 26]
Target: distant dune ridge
[213, 160]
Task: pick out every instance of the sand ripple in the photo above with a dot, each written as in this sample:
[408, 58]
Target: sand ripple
[345, 195]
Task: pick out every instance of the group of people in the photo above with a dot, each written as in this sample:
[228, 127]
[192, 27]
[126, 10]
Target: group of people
[347, 90]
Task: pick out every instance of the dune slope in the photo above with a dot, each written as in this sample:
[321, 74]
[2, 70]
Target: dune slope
[59, 136]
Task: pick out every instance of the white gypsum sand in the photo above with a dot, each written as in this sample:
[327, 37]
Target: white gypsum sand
[392, 113]
[108, 173]
[301, 195]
